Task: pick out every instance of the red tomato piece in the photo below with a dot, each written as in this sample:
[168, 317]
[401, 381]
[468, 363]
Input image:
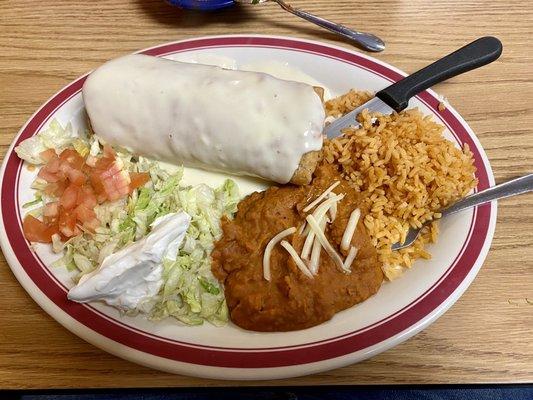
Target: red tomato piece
[76, 177]
[69, 197]
[73, 158]
[98, 186]
[101, 198]
[67, 223]
[87, 217]
[116, 186]
[53, 165]
[91, 161]
[37, 231]
[87, 197]
[51, 209]
[113, 169]
[103, 163]
[109, 152]
[48, 155]
[84, 214]
[92, 225]
[55, 189]
[79, 184]
[48, 176]
[138, 179]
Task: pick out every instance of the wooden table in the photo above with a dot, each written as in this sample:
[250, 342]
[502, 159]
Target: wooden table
[487, 336]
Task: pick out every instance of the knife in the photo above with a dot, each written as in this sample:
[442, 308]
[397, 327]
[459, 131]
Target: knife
[395, 97]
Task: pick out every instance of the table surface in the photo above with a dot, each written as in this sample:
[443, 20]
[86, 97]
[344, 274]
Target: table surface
[487, 336]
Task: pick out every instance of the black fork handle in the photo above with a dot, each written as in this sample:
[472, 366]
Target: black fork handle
[474, 55]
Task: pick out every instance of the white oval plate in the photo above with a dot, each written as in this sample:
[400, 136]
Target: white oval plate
[398, 311]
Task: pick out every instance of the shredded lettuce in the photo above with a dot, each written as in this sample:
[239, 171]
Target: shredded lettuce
[38, 199]
[54, 137]
[190, 293]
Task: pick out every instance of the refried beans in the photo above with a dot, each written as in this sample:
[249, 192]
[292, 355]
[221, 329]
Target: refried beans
[291, 300]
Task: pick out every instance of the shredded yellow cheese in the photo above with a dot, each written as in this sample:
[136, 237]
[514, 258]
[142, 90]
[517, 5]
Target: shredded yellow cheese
[306, 249]
[301, 228]
[333, 209]
[350, 258]
[323, 208]
[319, 215]
[297, 260]
[314, 263]
[350, 229]
[268, 250]
[321, 197]
[325, 243]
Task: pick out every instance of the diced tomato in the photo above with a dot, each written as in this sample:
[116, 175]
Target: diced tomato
[79, 185]
[117, 181]
[109, 152]
[67, 223]
[101, 198]
[76, 177]
[91, 161]
[138, 179]
[55, 189]
[98, 186]
[84, 214]
[87, 217]
[51, 221]
[51, 171]
[117, 185]
[72, 157]
[103, 163]
[53, 165]
[51, 209]
[37, 231]
[112, 182]
[86, 197]
[51, 213]
[69, 197]
[64, 167]
[92, 225]
[114, 168]
[48, 155]
[68, 154]
[48, 176]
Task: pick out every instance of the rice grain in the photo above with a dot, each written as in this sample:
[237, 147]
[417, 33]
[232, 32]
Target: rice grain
[406, 171]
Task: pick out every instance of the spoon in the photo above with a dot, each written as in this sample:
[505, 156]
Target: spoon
[366, 40]
[520, 185]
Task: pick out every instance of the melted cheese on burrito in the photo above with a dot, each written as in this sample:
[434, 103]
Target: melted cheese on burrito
[245, 123]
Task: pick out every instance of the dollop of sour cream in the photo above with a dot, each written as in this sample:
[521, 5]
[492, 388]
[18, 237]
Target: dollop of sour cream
[131, 277]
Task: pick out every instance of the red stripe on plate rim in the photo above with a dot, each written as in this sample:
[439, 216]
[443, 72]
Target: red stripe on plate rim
[265, 357]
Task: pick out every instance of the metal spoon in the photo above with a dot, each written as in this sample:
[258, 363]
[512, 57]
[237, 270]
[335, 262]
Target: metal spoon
[366, 40]
[507, 189]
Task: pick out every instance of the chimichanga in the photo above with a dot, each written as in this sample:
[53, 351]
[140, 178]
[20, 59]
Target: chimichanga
[245, 123]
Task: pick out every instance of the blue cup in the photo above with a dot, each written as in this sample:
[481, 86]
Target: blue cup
[201, 5]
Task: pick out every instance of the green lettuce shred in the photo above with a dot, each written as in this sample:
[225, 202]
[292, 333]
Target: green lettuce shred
[54, 137]
[190, 293]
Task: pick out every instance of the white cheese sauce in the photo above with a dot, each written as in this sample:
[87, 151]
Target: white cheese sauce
[276, 68]
[245, 123]
[131, 277]
[283, 70]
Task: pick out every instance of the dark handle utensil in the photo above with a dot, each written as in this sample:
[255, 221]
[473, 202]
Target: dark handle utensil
[474, 55]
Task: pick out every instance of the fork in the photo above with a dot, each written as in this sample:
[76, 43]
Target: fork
[514, 187]
[367, 41]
